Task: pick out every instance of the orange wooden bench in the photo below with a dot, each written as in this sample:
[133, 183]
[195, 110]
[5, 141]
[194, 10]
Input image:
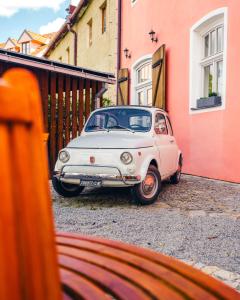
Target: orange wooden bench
[36, 264]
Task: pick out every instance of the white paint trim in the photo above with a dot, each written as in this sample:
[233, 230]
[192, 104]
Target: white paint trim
[195, 30]
[133, 79]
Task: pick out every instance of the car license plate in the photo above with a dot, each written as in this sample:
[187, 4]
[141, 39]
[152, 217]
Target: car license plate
[91, 183]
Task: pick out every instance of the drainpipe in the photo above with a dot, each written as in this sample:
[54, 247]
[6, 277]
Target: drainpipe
[75, 40]
[99, 95]
[119, 42]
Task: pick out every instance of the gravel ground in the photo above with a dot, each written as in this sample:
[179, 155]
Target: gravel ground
[197, 220]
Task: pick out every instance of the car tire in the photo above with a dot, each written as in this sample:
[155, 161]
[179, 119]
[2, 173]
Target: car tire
[175, 178]
[148, 190]
[66, 189]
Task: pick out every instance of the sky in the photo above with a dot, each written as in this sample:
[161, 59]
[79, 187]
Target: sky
[41, 16]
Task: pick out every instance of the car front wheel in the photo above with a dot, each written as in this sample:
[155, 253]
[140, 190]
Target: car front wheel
[66, 189]
[148, 190]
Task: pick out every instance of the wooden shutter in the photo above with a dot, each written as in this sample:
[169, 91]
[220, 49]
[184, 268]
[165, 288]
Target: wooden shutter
[123, 86]
[158, 78]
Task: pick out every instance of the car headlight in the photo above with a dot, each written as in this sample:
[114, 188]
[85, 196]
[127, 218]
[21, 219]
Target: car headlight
[64, 156]
[126, 158]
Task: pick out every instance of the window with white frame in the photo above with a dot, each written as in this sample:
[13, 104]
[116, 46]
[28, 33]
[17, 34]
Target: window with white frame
[212, 62]
[208, 61]
[143, 83]
[26, 47]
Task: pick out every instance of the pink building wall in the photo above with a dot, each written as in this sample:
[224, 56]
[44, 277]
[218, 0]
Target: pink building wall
[210, 141]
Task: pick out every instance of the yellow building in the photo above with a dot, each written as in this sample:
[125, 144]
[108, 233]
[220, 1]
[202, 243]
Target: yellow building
[89, 39]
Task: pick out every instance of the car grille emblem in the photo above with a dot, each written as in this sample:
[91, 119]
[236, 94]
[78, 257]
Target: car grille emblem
[92, 159]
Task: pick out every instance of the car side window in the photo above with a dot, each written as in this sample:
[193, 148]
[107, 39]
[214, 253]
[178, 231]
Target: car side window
[160, 126]
[170, 130]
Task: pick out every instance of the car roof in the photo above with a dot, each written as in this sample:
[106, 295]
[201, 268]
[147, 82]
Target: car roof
[149, 108]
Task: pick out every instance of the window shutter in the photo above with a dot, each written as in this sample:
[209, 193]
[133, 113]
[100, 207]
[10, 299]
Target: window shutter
[158, 78]
[123, 86]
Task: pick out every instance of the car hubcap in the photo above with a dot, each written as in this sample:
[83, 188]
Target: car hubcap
[149, 185]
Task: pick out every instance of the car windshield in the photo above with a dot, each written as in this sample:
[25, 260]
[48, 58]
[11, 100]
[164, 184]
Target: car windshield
[130, 119]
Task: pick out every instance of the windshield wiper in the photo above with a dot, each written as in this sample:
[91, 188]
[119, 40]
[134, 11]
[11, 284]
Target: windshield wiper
[121, 127]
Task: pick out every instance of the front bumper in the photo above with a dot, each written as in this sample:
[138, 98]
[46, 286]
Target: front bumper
[116, 179]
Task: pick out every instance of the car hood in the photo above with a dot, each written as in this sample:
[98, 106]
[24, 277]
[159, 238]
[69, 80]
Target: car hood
[110, 140]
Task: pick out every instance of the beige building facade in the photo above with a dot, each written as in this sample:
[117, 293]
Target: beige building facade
[95, 25]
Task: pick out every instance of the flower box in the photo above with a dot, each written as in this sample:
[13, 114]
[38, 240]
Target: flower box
[209, 102]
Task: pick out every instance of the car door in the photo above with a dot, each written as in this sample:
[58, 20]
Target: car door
[164, 143]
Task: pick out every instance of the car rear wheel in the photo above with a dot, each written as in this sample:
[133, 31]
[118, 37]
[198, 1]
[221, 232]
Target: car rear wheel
[148, 190]
[66, 189]
[175, 178]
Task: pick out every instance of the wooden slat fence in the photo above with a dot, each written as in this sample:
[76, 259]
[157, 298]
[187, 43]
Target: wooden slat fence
[70, 100]
[67, 101]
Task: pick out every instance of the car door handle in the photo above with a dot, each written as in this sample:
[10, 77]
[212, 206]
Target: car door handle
[171, 141]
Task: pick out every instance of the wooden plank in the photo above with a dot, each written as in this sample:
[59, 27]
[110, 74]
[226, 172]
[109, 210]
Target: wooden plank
[43, 86]
[74, 107]
[94, 91]
[2, 68]
[122, 289]
[67, 110]
[45, 93]
[87, 99]
[99, 85]
[124, 270]
[164, 274]
[217, 288]
[80, 106]
[27, 214]
[158, 78]
[60, 113]
[53, 152]
[10, 285]
[79, 287]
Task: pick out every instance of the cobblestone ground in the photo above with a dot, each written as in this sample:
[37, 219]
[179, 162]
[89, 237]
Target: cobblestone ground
[197, 221]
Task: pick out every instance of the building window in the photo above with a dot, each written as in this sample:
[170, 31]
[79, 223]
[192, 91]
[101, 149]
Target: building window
[208, 62]
[212, 62]
[104, 16]
[142, 83]
[90, 33]
[26, 48]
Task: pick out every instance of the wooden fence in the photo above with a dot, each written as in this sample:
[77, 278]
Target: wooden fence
[68, 96]
[67, 102]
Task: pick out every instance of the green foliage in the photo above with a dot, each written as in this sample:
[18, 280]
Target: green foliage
[213, 94]
[106, 102]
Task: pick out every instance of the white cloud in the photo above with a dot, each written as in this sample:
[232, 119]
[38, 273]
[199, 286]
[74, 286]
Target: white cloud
[75, 2]
[53, 26]
[10, 7]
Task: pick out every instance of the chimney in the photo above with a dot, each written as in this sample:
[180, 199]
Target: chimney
[70, 9]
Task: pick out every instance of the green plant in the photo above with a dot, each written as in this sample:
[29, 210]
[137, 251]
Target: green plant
[213, 94]
[106, 102]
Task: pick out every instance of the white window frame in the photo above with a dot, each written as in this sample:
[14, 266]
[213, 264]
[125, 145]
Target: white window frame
[214, 19]
[26, 48]
[135, 87]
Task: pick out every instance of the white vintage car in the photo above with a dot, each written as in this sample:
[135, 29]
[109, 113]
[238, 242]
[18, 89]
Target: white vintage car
[121, 146]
